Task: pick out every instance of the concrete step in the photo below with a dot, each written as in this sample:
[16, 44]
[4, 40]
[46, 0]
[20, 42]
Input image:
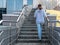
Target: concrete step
[32, 44]
[30, 18]
[22, 35]
[27, 21]
[31, 24]
[30, 27]
[28, 32]
[32, 32]
[33, 41]
[31, 14]
[33, 11]
[31, 37]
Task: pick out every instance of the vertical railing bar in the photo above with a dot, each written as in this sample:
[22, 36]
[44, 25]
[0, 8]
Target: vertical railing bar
[53, 32]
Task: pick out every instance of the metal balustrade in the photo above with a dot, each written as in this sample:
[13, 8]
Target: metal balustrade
[25, 12]
[9, 34]
[54, 32]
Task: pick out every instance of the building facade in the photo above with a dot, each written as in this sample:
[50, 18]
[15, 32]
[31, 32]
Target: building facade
[2, 8]
[17, 5]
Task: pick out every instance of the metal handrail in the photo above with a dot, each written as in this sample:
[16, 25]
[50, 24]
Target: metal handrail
[22, 13]
[1, 21]
[17, 19]
[54, 21]
[8, 37]
[12, 21]
[51, 33]
[1, 32]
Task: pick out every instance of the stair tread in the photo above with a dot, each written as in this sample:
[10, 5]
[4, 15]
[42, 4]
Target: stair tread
[31, 36]
[32, 44]
[27, 30]
[32, 32]
[30, 29]
[31, 39]
[29, 26]
[29, 33]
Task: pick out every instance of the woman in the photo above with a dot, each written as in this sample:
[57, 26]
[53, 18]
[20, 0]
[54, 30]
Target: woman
[40, 14]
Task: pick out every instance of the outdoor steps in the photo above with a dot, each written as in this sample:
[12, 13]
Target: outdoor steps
[29, 33]
[33, 41]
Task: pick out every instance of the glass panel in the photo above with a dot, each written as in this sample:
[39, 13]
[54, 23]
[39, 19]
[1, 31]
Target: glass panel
[2, 3]
[30, 2]
[19, 5]
[14, 5]
[10, 6]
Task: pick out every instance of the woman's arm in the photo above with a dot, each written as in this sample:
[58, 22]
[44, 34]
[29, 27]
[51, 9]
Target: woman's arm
[35, 14]
[45, 15]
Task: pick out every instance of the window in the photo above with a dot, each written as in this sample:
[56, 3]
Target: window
[2, 8]
[14, 5]
[2, 3]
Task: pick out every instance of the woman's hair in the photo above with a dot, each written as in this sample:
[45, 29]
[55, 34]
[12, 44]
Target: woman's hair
[39, 5]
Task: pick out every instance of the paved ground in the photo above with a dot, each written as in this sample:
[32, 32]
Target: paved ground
[31, 44]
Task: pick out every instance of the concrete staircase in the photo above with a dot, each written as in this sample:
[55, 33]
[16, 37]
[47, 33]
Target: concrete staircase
[29, 35]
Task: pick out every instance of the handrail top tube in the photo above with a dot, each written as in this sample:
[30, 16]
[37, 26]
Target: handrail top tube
[17, 19]
[7, 27]
[54, 21]
[22, 13]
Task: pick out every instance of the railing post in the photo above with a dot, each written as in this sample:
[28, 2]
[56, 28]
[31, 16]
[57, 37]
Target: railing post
[10, 31]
